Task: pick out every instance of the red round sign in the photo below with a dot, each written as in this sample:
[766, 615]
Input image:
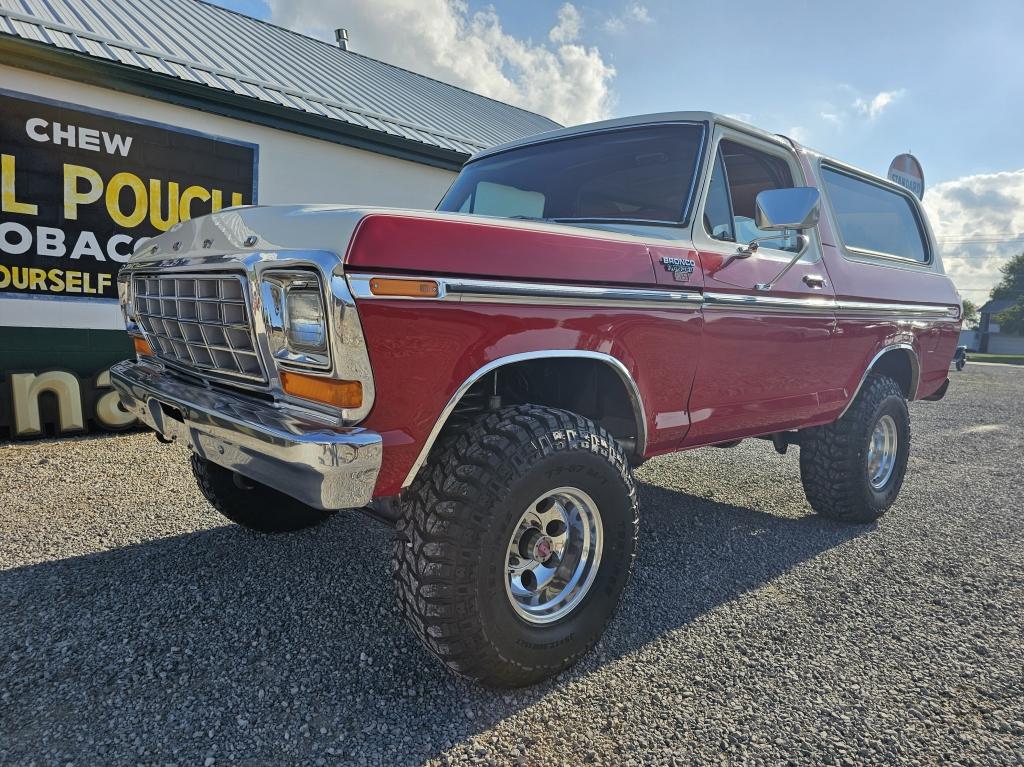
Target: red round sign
[906, 171]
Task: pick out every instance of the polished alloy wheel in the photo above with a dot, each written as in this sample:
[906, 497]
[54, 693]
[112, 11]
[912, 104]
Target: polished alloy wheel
[553, 555]
[882, 452]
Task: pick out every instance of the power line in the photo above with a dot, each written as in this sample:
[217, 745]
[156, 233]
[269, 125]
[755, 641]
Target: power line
[980, 242]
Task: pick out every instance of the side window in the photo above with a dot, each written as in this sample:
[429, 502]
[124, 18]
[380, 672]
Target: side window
[739, 175]
[717, 209]
[873, 218]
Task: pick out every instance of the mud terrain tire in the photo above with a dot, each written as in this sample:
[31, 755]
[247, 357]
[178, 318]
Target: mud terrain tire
[452, 552]
[834, 459]
[250, 504]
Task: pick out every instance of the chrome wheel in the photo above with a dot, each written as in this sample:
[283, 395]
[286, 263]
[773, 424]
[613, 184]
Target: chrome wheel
[553, 555]
[882, 452]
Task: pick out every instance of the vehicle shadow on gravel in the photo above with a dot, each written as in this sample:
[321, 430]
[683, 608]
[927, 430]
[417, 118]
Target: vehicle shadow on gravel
[258, 649]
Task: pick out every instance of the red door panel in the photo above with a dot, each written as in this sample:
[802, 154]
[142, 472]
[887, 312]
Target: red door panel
[760, 371]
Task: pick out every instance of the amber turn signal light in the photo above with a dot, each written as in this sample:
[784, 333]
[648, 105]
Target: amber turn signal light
[142, 347]
[386, 286]
[330, 391]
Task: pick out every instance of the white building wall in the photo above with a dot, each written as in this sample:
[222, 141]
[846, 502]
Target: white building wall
[970, 339]
[1005, 344]
[292, 169]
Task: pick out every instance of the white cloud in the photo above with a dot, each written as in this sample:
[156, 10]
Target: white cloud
[970, 215]
[634, 13]
[569, 25]
[798, 133]
[874, 106]
[567, 81]
[831, 117]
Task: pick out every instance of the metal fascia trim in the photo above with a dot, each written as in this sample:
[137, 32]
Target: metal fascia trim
[870, 307]
[500, 291]
[490, 290]
[756, 303]
[614, 362]
[507, 291]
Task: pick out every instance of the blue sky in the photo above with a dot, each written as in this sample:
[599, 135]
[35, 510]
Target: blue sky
[785, 63]
[862, 81]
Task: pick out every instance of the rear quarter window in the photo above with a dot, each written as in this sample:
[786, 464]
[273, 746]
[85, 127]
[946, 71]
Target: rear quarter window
[873, 218]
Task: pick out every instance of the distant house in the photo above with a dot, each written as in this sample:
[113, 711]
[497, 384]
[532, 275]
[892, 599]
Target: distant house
[991, 339]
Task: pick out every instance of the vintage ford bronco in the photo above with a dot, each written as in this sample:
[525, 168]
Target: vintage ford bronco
[486, 375]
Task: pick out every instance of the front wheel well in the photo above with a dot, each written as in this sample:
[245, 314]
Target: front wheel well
[589, 387]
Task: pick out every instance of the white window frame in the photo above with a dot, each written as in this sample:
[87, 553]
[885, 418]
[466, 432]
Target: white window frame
[851, 253]
[702, 239]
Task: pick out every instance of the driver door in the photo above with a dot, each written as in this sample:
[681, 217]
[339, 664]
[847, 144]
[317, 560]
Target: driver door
[766, 360]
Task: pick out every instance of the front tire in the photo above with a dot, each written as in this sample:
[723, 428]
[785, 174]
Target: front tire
[250, 504]
[516, 543]
[853, 469]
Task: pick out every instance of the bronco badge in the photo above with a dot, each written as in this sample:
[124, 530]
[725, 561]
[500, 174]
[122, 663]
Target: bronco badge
[681, 268]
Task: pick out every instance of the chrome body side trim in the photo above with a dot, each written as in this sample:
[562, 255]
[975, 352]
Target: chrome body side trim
[616, 364]
[461, 289]
[501, 291]
[870, 308]
[310, 459]
[525, 292]
[915, 373]
[767, 303]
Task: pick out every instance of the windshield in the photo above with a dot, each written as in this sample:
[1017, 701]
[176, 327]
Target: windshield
[633, 174]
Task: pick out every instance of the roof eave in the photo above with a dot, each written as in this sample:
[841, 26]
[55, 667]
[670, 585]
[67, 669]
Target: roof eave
[45, 59]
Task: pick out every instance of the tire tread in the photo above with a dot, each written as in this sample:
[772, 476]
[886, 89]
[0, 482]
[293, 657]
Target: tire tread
[446, 514]
[831, 459]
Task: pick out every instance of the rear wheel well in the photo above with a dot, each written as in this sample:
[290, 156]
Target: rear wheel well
[901, 366]
[586, 386]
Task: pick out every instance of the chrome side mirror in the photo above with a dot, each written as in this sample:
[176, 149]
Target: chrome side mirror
[779, 209]
[783, 210]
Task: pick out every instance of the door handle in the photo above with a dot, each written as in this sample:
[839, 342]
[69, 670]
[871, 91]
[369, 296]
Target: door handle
[814, 281]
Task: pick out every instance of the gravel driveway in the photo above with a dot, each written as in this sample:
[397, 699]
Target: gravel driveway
[137, 627]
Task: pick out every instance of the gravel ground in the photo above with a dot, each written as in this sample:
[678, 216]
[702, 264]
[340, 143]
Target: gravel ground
[138, 628]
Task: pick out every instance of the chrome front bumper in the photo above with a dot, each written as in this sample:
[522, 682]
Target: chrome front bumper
[328, 467]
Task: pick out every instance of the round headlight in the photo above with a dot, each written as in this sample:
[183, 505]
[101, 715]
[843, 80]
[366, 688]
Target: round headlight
[306, 326]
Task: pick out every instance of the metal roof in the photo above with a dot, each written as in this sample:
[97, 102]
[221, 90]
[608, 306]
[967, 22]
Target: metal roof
[997, 305]
[227, 52]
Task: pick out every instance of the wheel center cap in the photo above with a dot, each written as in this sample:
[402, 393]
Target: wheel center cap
[540, 549]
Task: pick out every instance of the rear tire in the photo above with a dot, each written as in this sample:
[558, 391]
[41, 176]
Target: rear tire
[462, 543]
[250, 504]
[853, 469]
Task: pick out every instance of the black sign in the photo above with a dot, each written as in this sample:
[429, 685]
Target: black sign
[80, 188]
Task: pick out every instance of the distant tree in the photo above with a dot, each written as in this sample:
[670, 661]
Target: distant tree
[1012, 284]
[1012, 320]
[970, 314]
[1011, 287]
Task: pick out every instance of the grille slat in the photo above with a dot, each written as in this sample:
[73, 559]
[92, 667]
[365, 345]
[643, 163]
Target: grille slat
[199, 321]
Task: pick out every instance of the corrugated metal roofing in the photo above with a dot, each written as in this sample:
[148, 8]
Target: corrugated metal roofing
[225, 51]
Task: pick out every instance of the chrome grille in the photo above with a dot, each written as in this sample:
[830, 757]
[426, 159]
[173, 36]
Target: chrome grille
[199, 321]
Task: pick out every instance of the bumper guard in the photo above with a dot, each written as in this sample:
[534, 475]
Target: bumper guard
[325, 466]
